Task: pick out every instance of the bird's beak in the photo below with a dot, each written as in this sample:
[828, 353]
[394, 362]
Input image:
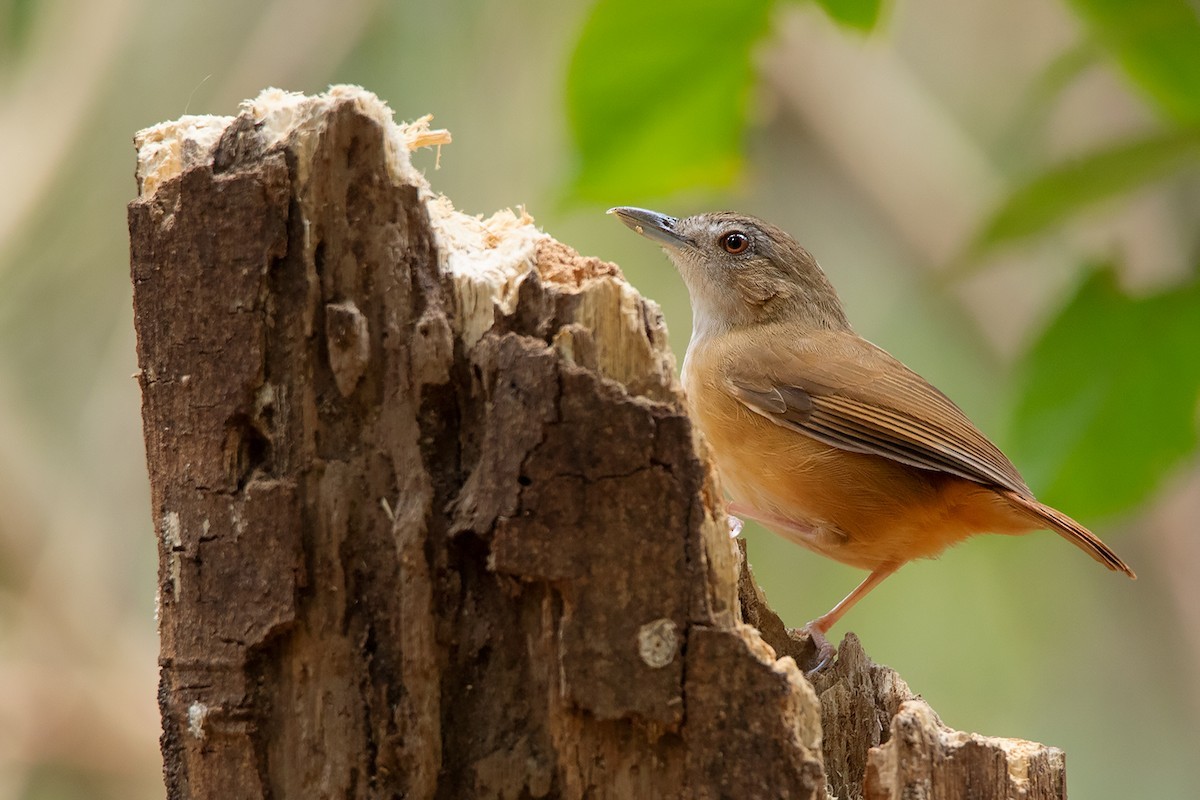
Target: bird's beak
[654, 226]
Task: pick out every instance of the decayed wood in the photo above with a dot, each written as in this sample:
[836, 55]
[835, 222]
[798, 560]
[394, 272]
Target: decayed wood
[432, 520]
[882, 742]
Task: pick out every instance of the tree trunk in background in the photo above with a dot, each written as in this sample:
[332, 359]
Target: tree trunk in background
[432, 520]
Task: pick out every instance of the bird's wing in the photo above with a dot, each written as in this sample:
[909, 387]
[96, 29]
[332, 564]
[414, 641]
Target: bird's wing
[846, 392]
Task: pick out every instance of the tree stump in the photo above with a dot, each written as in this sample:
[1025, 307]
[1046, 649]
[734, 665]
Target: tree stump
[432, 520]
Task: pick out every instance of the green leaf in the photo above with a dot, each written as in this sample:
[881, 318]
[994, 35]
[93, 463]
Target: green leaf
[1157, 43]
[1026, 129]
[1109, 399]
[16, 21]
[860, 14]
[1067, 188]
[657, 94]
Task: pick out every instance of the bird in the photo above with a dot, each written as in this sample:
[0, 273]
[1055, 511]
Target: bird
[818, 434]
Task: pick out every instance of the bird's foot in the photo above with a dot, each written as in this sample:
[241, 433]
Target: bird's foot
[824, 650]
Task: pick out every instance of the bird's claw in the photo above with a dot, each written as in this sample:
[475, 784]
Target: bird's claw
[825, 651]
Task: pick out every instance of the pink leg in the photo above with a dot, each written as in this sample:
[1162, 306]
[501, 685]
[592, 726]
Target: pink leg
[817, 629]
[828, 620]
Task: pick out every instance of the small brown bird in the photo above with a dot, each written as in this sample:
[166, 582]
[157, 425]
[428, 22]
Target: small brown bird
[820, 435]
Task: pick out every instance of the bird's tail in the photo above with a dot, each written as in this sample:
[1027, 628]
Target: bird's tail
[1070, 530]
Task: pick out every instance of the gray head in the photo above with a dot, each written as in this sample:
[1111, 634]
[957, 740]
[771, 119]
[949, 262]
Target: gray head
[741, 271]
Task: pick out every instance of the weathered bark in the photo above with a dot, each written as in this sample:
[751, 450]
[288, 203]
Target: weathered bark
[882, 742]
[433, 521]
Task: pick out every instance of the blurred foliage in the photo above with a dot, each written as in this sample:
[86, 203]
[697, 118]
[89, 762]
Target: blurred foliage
[16, 18]
[861, 14]
[658, 92]
[1109, 398]
[1157, 43]
[1066, 189]
[1107, 406]
[674, 78]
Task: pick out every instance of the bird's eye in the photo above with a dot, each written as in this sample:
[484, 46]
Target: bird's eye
[735, 243]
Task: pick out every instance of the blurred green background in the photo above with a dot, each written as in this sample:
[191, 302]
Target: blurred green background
[1006, 193]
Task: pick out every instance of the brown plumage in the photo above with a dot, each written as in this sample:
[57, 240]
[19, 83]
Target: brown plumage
[819, 434]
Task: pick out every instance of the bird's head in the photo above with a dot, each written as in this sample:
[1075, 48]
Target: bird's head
[740, 271]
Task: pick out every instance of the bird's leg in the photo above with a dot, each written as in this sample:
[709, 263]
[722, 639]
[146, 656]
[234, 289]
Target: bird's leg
[820, 626]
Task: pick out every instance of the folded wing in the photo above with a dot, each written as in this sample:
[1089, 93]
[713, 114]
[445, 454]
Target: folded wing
[844, 391]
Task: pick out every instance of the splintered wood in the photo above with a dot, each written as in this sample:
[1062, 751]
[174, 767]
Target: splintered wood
[882, 742]
[433, 521]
